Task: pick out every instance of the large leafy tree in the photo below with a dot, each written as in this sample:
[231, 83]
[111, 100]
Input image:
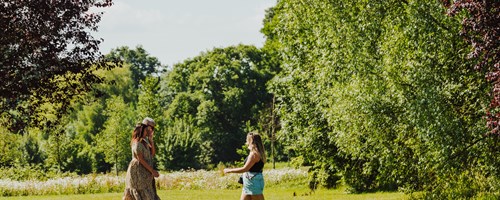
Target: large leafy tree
[181, 146]
[48, 55]
[105, 117]
[216, 94]
[378, 92]
[104, 122]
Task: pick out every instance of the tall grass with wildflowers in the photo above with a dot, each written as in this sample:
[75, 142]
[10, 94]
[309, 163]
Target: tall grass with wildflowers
[181, 180]
[93, 183]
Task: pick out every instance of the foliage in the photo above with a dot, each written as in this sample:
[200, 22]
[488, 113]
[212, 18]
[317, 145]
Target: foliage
[466, 185]
[323, 176]
[65, 153]
[114, 140]
[141, 63]
[31, 172]
[378, 91]
[94, 124]
[374, 95]
[149, 100]
[118, 82]
[221, 90]
[181, 146]
[31, 150]
[480, 28]
[9, 146]
[48, 56]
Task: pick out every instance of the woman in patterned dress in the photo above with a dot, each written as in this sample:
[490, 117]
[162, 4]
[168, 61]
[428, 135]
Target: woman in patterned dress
[139, 182]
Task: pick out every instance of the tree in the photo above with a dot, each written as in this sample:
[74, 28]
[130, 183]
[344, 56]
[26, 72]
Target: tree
[142, 64]
[180, 146]
[118, 82]
[148, 104]
[100, 120]
[481, 29]
[220, 90]
[48, 56]
[115, 138]
[64, 151]
[378, 92]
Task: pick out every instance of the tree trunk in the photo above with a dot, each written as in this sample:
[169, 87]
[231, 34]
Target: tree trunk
[273, 137]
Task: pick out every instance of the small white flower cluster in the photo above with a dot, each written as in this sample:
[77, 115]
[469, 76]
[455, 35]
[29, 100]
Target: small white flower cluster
[278, 176]
[202, 179]
[65, 185]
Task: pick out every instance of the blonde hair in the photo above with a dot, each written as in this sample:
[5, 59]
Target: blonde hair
[257, 145]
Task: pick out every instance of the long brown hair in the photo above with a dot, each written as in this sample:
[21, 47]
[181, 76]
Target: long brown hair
[257, 145]
[138, 132]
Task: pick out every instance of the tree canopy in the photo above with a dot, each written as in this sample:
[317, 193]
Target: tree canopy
[48, 55]
[217, 93]
[379, 94]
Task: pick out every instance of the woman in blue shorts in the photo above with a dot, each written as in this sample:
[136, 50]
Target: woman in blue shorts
[253, 181]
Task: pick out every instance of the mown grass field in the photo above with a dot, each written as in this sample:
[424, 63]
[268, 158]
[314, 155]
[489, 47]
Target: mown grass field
[269, 193]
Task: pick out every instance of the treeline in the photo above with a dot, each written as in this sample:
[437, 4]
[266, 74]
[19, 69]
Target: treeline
[203, 107]
[377, 95]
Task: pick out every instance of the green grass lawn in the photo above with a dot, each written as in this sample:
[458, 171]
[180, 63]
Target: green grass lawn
[269, 193]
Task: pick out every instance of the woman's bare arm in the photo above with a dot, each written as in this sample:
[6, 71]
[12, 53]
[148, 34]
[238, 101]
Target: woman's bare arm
[153, 148]
[146, 165]
[253, 158]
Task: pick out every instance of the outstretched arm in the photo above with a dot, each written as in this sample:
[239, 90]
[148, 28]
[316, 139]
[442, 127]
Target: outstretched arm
[252, 159]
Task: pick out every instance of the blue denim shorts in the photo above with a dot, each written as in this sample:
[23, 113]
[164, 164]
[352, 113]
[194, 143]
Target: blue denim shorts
[253, 183]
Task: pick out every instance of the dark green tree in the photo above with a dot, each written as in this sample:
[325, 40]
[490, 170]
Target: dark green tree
[48, 56]
[65, 151]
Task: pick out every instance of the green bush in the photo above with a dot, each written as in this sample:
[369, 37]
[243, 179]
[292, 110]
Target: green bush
[31, 172]
[467, 185]
[324, 176]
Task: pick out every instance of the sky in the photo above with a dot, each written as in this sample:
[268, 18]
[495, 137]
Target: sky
[175, 30]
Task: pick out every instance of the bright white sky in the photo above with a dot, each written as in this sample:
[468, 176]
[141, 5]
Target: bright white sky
[174, 30]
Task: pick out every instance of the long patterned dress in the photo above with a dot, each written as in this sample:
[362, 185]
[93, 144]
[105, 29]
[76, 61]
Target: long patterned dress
[139, 182]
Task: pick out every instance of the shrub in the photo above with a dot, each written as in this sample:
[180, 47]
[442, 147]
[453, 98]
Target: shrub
[466, 185]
